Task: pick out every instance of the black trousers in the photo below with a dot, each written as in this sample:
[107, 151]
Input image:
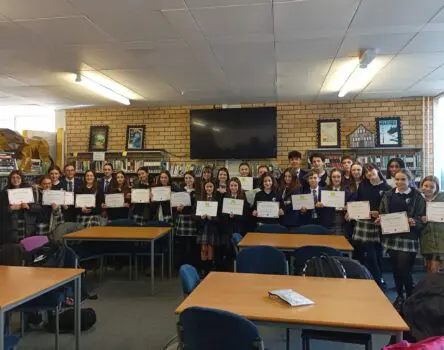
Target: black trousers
[402, 267]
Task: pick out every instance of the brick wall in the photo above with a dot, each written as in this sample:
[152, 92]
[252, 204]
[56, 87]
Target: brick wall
[168, 127]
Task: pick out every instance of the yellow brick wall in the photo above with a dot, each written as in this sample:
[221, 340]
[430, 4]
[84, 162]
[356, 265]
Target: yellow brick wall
[168, 127]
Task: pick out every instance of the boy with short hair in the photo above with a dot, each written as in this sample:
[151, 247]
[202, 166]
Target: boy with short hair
[317, 161]
[312, 216]
[294, 157]
[346, 162]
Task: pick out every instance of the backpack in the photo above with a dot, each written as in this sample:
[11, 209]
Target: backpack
[49, 255]
[434, 343]
[324, 266]
[88, 319]
[354, 269]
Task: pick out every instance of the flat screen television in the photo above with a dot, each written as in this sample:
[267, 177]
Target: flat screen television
[233, 133]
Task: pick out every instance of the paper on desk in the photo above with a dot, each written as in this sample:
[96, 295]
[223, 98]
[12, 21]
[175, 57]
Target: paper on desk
[291, 297]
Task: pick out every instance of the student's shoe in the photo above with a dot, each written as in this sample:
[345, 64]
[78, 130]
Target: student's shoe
[397, 304]
[383, 285]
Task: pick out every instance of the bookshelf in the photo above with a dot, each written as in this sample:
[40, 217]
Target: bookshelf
[412, 157]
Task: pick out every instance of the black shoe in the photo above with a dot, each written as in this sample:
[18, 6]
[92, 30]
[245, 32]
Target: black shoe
[382, 285]
[397, 304]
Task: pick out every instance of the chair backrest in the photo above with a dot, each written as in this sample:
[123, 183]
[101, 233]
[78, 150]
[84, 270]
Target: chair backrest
[261, 259]
[324, 266]
[189, 278]
[272, 228]
[302, 254]
[33, 242]
[122, 223]
[70, 258]
[204, 328]
[10, 342]
[311, 229]
[156, 224]
[235, 239]
[354, 269]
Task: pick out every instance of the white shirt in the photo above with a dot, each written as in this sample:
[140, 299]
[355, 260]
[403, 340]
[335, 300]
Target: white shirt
[407, 191]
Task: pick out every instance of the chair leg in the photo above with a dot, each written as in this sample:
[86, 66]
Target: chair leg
[136, 260]
[101, 269]
[130, 267]
[22, 324]
[57, 327]
[305, 342]
[369, 345]
[162, 264]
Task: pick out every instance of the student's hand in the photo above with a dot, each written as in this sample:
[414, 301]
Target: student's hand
[126, 205]
[378, 221]
[231, 216]
[412, 222]
[65, 207]
[128, 195]
[254, 213]
[424, 219]
[203, 217]
[180, 208]
[374, 214]
[319, 205]
[54, 206]
[104, 206]
[15, 206]
[24, 206]
[281, 212]
[303, 210]
[86, 210]
[346, 216]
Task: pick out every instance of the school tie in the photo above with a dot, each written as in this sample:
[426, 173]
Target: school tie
[69, 186]
[314, 215]
[105, 189]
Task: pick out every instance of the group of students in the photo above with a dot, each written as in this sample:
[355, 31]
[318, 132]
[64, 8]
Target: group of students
[205, 240]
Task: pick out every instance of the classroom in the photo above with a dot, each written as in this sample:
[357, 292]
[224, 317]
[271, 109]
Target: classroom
[221, 174]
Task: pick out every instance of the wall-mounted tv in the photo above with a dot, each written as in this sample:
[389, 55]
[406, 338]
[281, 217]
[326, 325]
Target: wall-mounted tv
[233, 133]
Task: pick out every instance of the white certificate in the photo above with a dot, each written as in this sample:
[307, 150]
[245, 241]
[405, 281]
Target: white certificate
[302, 200]
[206, 208]
[69, 198]
[85, 200]
[333, 199]
[161, 193]
[394, 223]
[358, 210]
[246, 182]
[233, 206]
[267, 209]
[180, 198]
[435, 211]
[50, 197]
[140, 195]
[20, 195]
[115, 200]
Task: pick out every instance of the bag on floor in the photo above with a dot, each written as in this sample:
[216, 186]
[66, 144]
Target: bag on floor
[88, 319]
[435, 343]
[324, 266]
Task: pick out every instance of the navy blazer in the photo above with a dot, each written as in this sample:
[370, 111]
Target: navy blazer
[101, 183]
[64, 184]
[291, 218]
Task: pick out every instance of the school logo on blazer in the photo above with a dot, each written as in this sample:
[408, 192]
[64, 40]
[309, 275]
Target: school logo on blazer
[381, 192]
[408, 200]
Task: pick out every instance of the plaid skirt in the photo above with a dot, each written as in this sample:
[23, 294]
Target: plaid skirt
[185, 226]
[400, 244]
[366, 231]
[338, 224]
[89, 220]
[434, 257]
[21, 228]
[209, 235]
[139, 219]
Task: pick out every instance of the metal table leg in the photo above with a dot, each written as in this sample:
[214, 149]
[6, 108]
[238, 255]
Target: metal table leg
[171, 244]
[2, 329]
[152, 266]
[77, 297]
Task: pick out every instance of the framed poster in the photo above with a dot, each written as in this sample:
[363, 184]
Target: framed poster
[329, 133]
[135, 137]
[98, 138]
[388, 132]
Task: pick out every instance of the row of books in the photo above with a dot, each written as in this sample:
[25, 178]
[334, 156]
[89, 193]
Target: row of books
[7, 163]
[129, 165]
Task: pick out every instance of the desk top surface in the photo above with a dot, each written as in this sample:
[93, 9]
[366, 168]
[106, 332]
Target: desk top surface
[124, 233]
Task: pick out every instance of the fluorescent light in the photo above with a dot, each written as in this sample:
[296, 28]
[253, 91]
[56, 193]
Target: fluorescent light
[101, 90]
[216, 129]
[111, 84]
[199, 123]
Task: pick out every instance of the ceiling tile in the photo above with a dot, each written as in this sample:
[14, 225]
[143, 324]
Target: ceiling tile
[307, 49]
[19, 9]
[221, 3]
[14, 36]
[426, 42]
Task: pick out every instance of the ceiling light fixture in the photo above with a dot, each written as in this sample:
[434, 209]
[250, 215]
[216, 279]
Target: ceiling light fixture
[361, 75]
[99, 88]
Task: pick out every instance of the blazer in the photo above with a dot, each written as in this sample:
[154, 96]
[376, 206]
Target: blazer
[64, 184]
[101, 186]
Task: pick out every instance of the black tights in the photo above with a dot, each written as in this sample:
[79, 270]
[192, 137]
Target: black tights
[402, 267]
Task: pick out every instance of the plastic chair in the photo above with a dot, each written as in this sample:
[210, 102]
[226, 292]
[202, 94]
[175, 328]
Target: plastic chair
[301, 255]
[189, 277]
[33, 242]
[311, 230]
[271, 228]
[235, 240]
[204, 328]
[10, 342]
[262, 259]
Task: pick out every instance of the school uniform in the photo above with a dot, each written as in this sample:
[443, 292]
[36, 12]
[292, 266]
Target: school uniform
[141, 213]
[208, 228]
[313, 216]
[48, 218]
[185, 225]
[105, 185]
[162, 209]
[322, 181]
[346, 181]
[237, 224]
[57, 187]
[92, 218]
[263, 196]
[70, 185]
[333, 218]
[432, 237]
[291, 218]
[119, 213]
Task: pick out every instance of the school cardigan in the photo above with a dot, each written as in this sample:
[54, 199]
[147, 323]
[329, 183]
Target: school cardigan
[144, 210]
[291, 218]
[237, 224]
[119, 213]
[262, 196]
[432, 235]
[372, 193]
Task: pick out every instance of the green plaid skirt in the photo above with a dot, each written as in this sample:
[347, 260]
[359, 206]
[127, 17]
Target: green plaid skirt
[366, 231]
[89, 220]
[185, 226]
[400, 244]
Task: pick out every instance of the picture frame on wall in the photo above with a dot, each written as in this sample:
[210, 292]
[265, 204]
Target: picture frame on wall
[329, 133]
[135, 137]
[388, 132]
[98, 138]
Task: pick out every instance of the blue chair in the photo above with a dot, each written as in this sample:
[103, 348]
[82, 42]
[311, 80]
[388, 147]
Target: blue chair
[272, 228]
[262, 259]
[301, 255]
[189, 277]
[10, 342]
[235, 240]
[122, 223]
[204, 328]
[311, 230]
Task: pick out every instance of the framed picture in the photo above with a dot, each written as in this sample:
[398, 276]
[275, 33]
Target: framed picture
[329, 133]
[388, 132]
[98, 138]
[135, 137]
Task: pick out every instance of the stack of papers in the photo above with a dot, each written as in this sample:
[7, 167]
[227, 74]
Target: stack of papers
[291, 297]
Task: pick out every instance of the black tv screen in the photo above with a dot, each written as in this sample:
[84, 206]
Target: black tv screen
[234, 133]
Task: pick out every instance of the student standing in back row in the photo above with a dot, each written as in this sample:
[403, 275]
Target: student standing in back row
[70, 184]
[346, 163]
[245, 170]
[294, 158]
[141, 213]
[393, 166]
[317, 161]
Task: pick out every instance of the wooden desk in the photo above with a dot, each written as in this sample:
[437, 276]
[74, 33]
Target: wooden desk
[290, 241]
[340, 304]
[22, 284]
[136, 234]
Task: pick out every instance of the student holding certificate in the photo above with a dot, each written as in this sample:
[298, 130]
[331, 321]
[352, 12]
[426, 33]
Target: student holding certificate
[367, 234]
[289, 185]
[432, 236]
[89, 216]
[185, 226]
[141, 213]
[269, 193]
[70, 184]
[118, 186]
[162, 209]
[312, 216]
[222, 179]
[403, 247]
[356, 178]
[49, 216]
[208, 231]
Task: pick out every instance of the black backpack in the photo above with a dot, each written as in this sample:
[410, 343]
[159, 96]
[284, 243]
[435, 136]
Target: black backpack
[49, 255]
[324, 266]
[354, 269]
[88, 319]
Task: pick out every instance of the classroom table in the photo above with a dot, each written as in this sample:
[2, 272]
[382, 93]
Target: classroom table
[346, 305]
[22, 284]
[130, 234]
[291, 241]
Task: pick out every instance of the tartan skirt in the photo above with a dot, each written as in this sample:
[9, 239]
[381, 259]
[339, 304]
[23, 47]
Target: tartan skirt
[209, 235]
[185, 226]
[89, 220]
[139, 219]
[366, 231]
[21, 228]
[434, 257]
[338, 224]
[400, 244]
